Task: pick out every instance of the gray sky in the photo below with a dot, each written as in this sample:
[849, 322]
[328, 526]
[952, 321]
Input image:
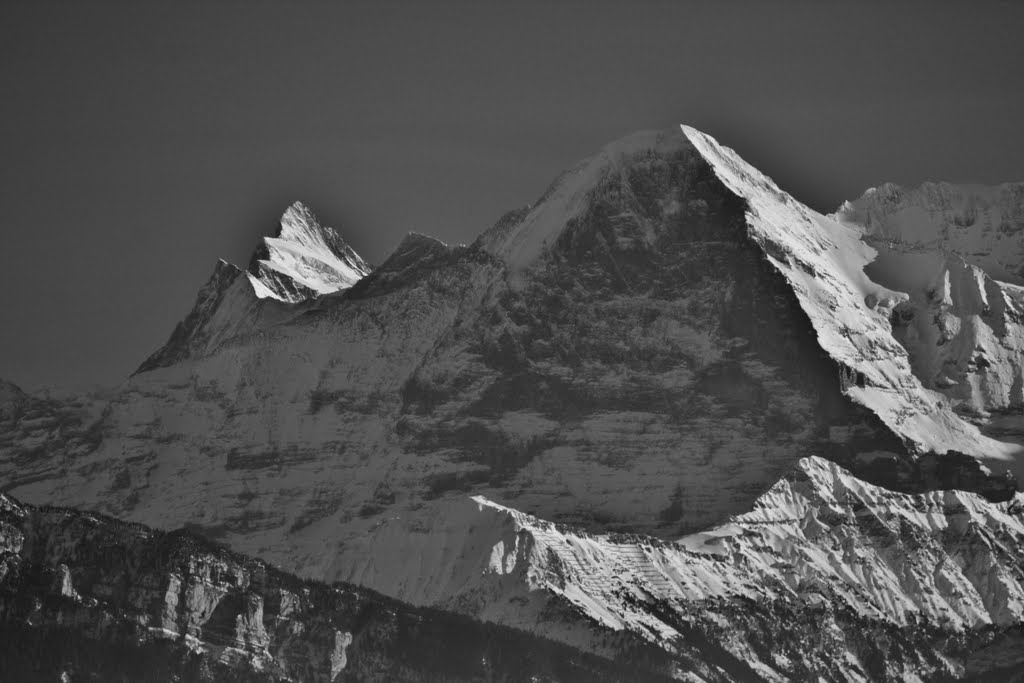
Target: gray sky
[142, 142]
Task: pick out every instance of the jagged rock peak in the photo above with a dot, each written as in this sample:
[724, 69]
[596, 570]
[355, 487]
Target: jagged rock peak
[303, 260]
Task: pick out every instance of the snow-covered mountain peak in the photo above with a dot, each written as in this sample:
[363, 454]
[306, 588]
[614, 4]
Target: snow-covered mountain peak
[984, 224]
[303, 260]
[957, 250]
[824, 259]
[299, 223]
[530, 233]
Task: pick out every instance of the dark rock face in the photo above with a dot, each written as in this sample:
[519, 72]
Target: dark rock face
[226, 308]
[654, 318]
[93, 599]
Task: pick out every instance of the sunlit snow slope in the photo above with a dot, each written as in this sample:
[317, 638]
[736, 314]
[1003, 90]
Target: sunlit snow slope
[305, 259]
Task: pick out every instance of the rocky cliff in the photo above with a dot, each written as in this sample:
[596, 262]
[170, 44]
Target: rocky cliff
[88, 598]
[826, 578]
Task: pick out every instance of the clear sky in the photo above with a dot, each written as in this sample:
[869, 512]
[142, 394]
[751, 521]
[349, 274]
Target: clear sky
[142, 141]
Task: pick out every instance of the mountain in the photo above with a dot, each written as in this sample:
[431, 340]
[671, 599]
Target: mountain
[957, 251]
[826, 576]
[305, 260]
[652, 347]
[981, 224]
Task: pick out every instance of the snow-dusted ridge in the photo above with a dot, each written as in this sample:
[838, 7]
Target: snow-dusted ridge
[824, 261]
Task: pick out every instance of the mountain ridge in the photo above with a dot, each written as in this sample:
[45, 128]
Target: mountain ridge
[837, 555]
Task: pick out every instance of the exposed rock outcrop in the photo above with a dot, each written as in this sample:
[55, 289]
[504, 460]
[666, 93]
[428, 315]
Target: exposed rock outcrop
[85, 598]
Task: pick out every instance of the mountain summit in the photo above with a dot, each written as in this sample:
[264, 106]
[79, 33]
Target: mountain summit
[303, 260]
